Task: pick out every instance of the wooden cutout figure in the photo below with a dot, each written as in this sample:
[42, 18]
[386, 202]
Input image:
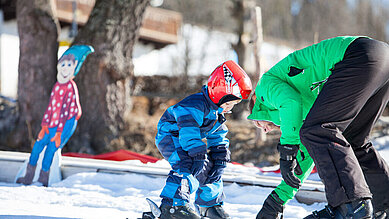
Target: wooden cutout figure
[60, 118]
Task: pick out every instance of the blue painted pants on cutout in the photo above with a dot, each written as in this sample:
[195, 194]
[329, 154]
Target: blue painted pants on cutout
[181, 183]
[68, 130]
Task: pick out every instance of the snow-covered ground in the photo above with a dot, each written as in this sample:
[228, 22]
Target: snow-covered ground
[102, 195]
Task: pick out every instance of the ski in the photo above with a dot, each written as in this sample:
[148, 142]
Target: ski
[155, 211]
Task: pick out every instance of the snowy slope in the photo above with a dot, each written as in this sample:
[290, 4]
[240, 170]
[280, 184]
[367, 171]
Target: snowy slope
[99, 195]
[102, 195]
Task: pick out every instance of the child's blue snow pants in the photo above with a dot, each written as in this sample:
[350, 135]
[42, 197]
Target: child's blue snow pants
[67, 132]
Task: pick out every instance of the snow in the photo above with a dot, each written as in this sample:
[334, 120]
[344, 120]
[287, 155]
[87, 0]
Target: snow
[204, 49]
[100, 195]
[103, 195]
[9, 47]
[199, 50]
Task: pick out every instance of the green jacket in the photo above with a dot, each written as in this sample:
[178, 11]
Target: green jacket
[288, 90]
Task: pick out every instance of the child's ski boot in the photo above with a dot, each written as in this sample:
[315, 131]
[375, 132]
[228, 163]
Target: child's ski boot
[214, 212]
[170, 212]
[147, 215]
[178, 212]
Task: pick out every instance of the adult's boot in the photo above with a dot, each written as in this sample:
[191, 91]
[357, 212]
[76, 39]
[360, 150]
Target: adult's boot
[28, 177]
[326, 213]
[214, 212]
[44, 177]
[361, 209]
[178, 212]
[382, 214]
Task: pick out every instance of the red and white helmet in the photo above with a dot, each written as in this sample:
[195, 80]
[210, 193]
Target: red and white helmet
[229, 79]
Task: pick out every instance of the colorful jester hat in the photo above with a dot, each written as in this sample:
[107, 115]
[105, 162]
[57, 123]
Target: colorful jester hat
[77, 53]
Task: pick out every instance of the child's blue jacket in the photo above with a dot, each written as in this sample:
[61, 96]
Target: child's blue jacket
[185, 125]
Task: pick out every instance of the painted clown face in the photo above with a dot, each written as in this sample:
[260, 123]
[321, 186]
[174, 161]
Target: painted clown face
[65, 68]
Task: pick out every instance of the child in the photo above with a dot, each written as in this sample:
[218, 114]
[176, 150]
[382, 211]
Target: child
[61, 116]
[197, 166]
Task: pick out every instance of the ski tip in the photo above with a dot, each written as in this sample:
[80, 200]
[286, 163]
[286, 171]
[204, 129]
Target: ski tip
[154, 208]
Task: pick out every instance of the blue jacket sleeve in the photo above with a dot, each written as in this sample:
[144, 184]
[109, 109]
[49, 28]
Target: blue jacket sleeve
[218, 144]
[189, 120]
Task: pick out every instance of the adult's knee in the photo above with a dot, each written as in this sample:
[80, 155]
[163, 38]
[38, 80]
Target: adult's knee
[313, 135]
[306, 135]
[322, 135]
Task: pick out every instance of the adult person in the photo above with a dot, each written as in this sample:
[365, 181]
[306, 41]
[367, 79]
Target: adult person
[273, 206]
[330, 95]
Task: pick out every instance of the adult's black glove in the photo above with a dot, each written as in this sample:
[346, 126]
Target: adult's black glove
[289, 164]
[198, 164]
[217, 171]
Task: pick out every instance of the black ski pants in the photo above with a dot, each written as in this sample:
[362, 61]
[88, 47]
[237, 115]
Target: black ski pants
[337, 127]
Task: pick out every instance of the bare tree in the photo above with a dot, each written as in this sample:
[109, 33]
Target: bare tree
[105, 80]
[238, 13]
[38, 32]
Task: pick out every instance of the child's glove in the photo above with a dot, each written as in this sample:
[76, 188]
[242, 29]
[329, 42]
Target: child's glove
[289, 164]
[57, 139]
[216, 172]
[198, 164]
[43, 131]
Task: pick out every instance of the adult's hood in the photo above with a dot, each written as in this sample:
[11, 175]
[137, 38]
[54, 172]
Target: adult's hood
[263, 113]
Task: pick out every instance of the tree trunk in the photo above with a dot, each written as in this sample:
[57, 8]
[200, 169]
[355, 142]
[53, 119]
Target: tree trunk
[105, 80]
[38, 32]
[238, 12]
